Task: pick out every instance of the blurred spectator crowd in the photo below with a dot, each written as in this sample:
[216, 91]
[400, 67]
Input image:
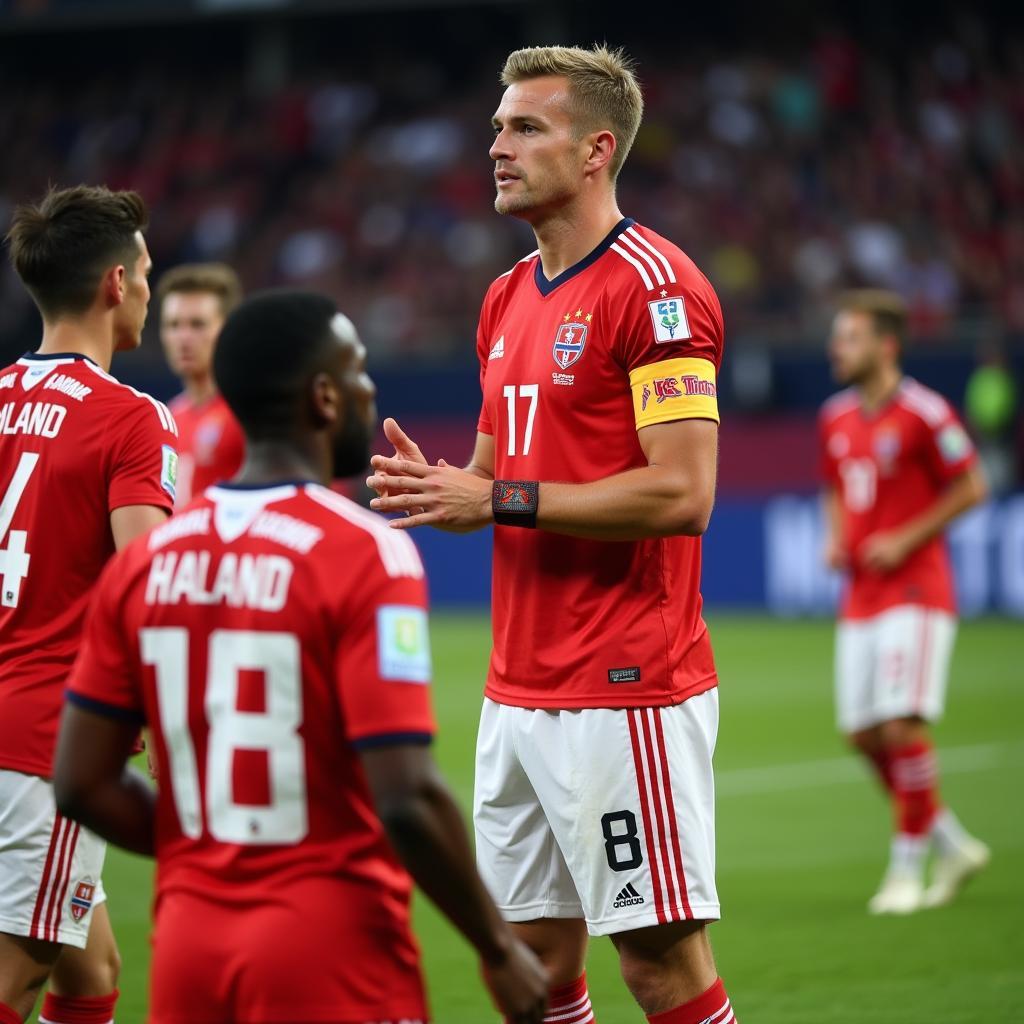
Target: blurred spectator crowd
[785, 177]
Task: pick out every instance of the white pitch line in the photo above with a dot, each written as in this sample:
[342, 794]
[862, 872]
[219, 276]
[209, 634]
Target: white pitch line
[838, 770]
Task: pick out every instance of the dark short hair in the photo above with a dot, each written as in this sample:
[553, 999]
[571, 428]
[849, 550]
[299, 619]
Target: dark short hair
[62, 246]
[888, 310]
[268, 349]
[216, 279]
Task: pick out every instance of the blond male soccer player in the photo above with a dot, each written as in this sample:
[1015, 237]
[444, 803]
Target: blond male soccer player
[595, 457]
[898, 468]
[86, 464]
[195, 299]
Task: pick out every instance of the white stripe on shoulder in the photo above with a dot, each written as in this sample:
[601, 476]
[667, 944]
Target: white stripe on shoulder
[929, 405]
[525, 259]
[396, 550]
[669, 273]
[841, 402]
[162, 412]
[645, 256]
[644, 276]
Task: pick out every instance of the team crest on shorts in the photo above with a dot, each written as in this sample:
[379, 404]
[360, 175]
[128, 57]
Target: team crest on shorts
[571, 339]
[81, 898]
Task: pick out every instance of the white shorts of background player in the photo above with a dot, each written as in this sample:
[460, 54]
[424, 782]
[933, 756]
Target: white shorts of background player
[606, 815]
[50, 867]
[893, 665]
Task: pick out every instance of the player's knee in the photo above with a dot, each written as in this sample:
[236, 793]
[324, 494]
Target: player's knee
[901, 731]
[864, 740]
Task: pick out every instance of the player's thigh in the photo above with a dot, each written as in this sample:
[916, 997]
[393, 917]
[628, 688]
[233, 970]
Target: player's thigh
[629, 794]
[855, 661]
[49, 866]
[915, 645]
[517, 854]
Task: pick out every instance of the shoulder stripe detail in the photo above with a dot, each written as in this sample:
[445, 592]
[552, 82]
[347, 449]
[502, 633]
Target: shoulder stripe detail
[646, 257]
[932, 408]
[669, 272]
[162, 412]
[397, 552]
[644, 276]
[841, 402]
[526, 258]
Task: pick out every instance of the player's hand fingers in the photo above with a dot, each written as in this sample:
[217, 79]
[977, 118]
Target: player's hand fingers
[395, 485]
[404, 445]
[410, 522]
[400, 467]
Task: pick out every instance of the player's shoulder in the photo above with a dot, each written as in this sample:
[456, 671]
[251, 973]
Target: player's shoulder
[132, 404]
[923, 403]
[652, 263]
[355, 529]
[841, 404]
[522, 269]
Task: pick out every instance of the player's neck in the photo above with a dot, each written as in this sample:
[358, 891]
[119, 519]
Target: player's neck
[573, 232]
[200, 389]
[879, 388]
[82, 337]
[270, 462]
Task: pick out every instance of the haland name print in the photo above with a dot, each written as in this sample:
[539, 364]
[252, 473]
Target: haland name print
[259, 582]
[39, 418]
[67, 386]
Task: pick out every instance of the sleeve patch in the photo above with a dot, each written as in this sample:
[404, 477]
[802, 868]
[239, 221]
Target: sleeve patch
[954, 444]
[403, 643]
[675, 389]
[169, 470]
[669, 319]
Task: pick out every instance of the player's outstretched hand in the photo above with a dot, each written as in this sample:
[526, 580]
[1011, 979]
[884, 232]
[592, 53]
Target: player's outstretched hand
[884, 551]
[442, 496]
[405, 448]
[519, 985]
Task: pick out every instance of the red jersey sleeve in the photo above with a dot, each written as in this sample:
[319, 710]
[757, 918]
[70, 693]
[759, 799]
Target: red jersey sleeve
[382, 665]
[145, 459]
[105, 676]
[948, 449]
[828, 468]
[670, 342]
[483, 352]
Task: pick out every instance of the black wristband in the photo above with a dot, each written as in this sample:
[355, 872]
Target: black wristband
[514, 502]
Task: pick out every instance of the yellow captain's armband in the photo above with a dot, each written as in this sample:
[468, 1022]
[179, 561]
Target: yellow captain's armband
[676, 389]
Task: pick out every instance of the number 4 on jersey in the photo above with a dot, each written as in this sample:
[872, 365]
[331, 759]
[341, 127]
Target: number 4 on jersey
[14, 559]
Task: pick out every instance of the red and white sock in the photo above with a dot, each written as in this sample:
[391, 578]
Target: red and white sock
[79, 1009]
[710, 1007]
[915, 787]
[570, 1004]
[947, 832]
[8, 1015]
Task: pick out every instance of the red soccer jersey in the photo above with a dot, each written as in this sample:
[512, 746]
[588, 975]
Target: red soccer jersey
[74, 445]
[211, 445]
[570, 370]
[887, 468]
[266, 635]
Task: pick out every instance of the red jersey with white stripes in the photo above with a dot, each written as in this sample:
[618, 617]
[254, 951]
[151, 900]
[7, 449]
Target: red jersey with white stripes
[571, 370]
[211, 445]
[266, 635]
[75, 445]
[888, 467]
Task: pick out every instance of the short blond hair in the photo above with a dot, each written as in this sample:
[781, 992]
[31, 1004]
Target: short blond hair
[888, 310]
[603, 90]
[217, 279]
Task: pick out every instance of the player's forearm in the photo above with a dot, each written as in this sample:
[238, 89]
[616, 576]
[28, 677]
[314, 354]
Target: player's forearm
[653, 501]
[965, 492]
[121, 811]
[428, 834]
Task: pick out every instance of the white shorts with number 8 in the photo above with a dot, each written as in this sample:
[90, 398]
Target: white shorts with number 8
[598, 813]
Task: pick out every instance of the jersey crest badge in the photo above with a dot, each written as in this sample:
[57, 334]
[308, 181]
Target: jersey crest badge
[81, 898]
[570, 341]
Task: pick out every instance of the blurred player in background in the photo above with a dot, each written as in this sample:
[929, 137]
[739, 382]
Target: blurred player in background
[195, 299]
[86, 464]
[599, 355]
[274, 637]
[898, 468]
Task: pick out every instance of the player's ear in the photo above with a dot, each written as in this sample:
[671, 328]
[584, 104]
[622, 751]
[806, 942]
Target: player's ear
[601, 148]
[113, 287]
[325, 400]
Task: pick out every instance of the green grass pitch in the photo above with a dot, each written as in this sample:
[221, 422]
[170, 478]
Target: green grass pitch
[802, 840]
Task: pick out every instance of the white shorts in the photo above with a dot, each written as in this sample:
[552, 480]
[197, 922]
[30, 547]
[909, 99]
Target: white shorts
[49, 866]
[607, 815]
[893, 665]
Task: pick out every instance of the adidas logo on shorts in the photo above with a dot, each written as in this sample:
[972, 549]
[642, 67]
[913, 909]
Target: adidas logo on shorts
[629, 897]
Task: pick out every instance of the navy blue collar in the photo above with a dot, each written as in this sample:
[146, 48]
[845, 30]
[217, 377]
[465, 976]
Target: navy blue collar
[231, 485]
[546, 287]
[35, 356]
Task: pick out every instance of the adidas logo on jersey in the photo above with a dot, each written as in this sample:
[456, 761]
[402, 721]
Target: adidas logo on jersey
[498, 348]
[629, 897]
